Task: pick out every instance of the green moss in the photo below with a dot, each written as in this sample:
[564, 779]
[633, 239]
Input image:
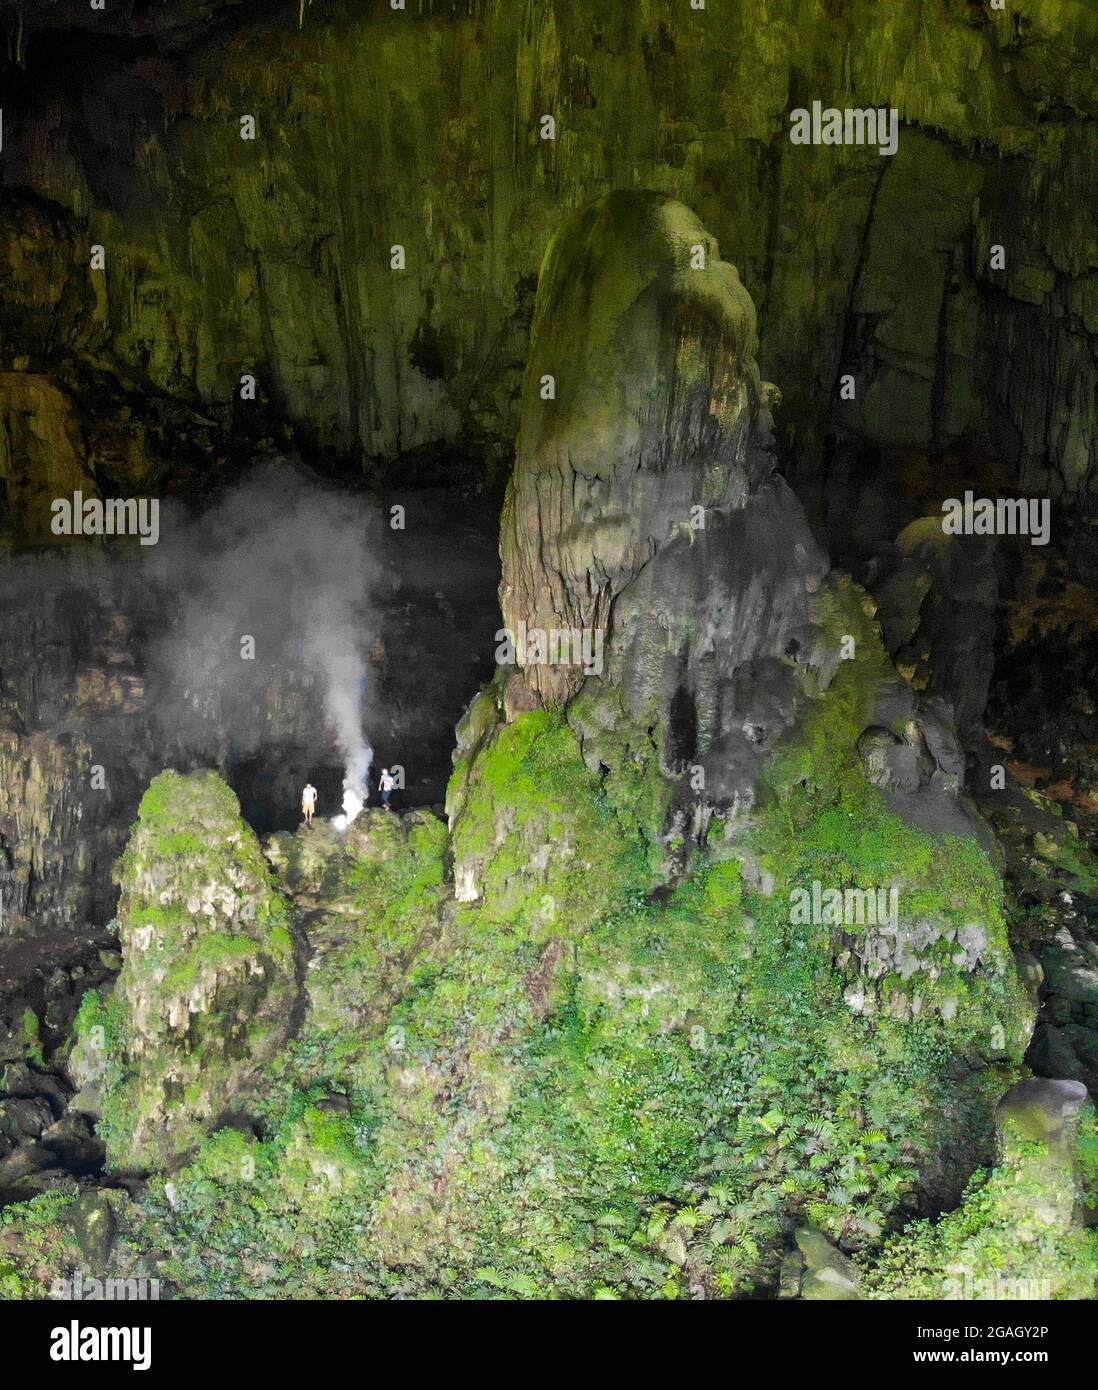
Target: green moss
[387, 901]
[539, 828]
[1014, 1236]
[34, 1236]
[208, 980]
[1086, 1158]
[567, 1088]
[1076, 859]
[31, 1041]
[210, 953]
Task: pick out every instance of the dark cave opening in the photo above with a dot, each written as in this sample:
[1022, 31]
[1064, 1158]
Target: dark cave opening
[682, 735]
[268, 786]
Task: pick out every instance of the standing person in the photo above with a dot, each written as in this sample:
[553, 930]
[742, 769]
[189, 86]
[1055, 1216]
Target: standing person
[386, 785]
[308, 802]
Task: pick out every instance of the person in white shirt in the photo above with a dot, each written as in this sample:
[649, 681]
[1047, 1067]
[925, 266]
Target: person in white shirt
[308, 802]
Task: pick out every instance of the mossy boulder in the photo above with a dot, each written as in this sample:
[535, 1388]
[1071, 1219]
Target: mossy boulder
[370, 898]
[208, 987]
[1024, 1229]
[828, 1275]
[94, 1226]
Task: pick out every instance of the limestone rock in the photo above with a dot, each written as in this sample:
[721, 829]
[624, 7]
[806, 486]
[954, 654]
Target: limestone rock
[995, 149]
[938, 596]
[1021, 1232]
[655, 394]
[644, 510]
[208, 988]
[41, 453]
[1041, 1111]
[93, 1225]
[45, 294]
[828, 1274]
[369, 899]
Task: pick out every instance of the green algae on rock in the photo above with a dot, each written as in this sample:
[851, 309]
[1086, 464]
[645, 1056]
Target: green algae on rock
[208, 986]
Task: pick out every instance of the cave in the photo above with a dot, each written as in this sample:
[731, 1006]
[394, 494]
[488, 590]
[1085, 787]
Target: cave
[342, 340]
[683, 728]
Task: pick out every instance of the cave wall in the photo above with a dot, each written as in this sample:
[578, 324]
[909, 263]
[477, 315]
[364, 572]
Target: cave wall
[421, 127]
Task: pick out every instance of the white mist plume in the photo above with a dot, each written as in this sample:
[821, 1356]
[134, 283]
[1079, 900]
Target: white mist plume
[344, 676]
[291, 565]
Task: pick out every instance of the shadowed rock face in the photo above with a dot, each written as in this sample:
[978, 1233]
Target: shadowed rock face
[276, 254]
[643, 503]
[172, 25]
[937, 596]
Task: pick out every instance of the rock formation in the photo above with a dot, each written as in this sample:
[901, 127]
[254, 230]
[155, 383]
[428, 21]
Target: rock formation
[208, 985]
[1025, 1230]
[708, 984]
[207, 280]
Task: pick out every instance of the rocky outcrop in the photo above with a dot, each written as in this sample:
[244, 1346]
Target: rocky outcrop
[938, 595]
[746, 733]
[1023, 1231]
[74, 750]
[827, 1275]
[369, 899]
[1066, 1043]
[645, 525]
[647, 447]
[207, 993]
[657, 573]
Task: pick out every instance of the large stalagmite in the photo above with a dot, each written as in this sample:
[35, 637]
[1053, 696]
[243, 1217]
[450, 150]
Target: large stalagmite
[642, 421]
[645, 507]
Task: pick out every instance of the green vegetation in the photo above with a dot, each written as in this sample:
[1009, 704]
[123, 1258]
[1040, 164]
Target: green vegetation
[562, 1084]
[1013, 1237]
[32, 1042]
[567, 1088]
[40, 1242]
[208, 978]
